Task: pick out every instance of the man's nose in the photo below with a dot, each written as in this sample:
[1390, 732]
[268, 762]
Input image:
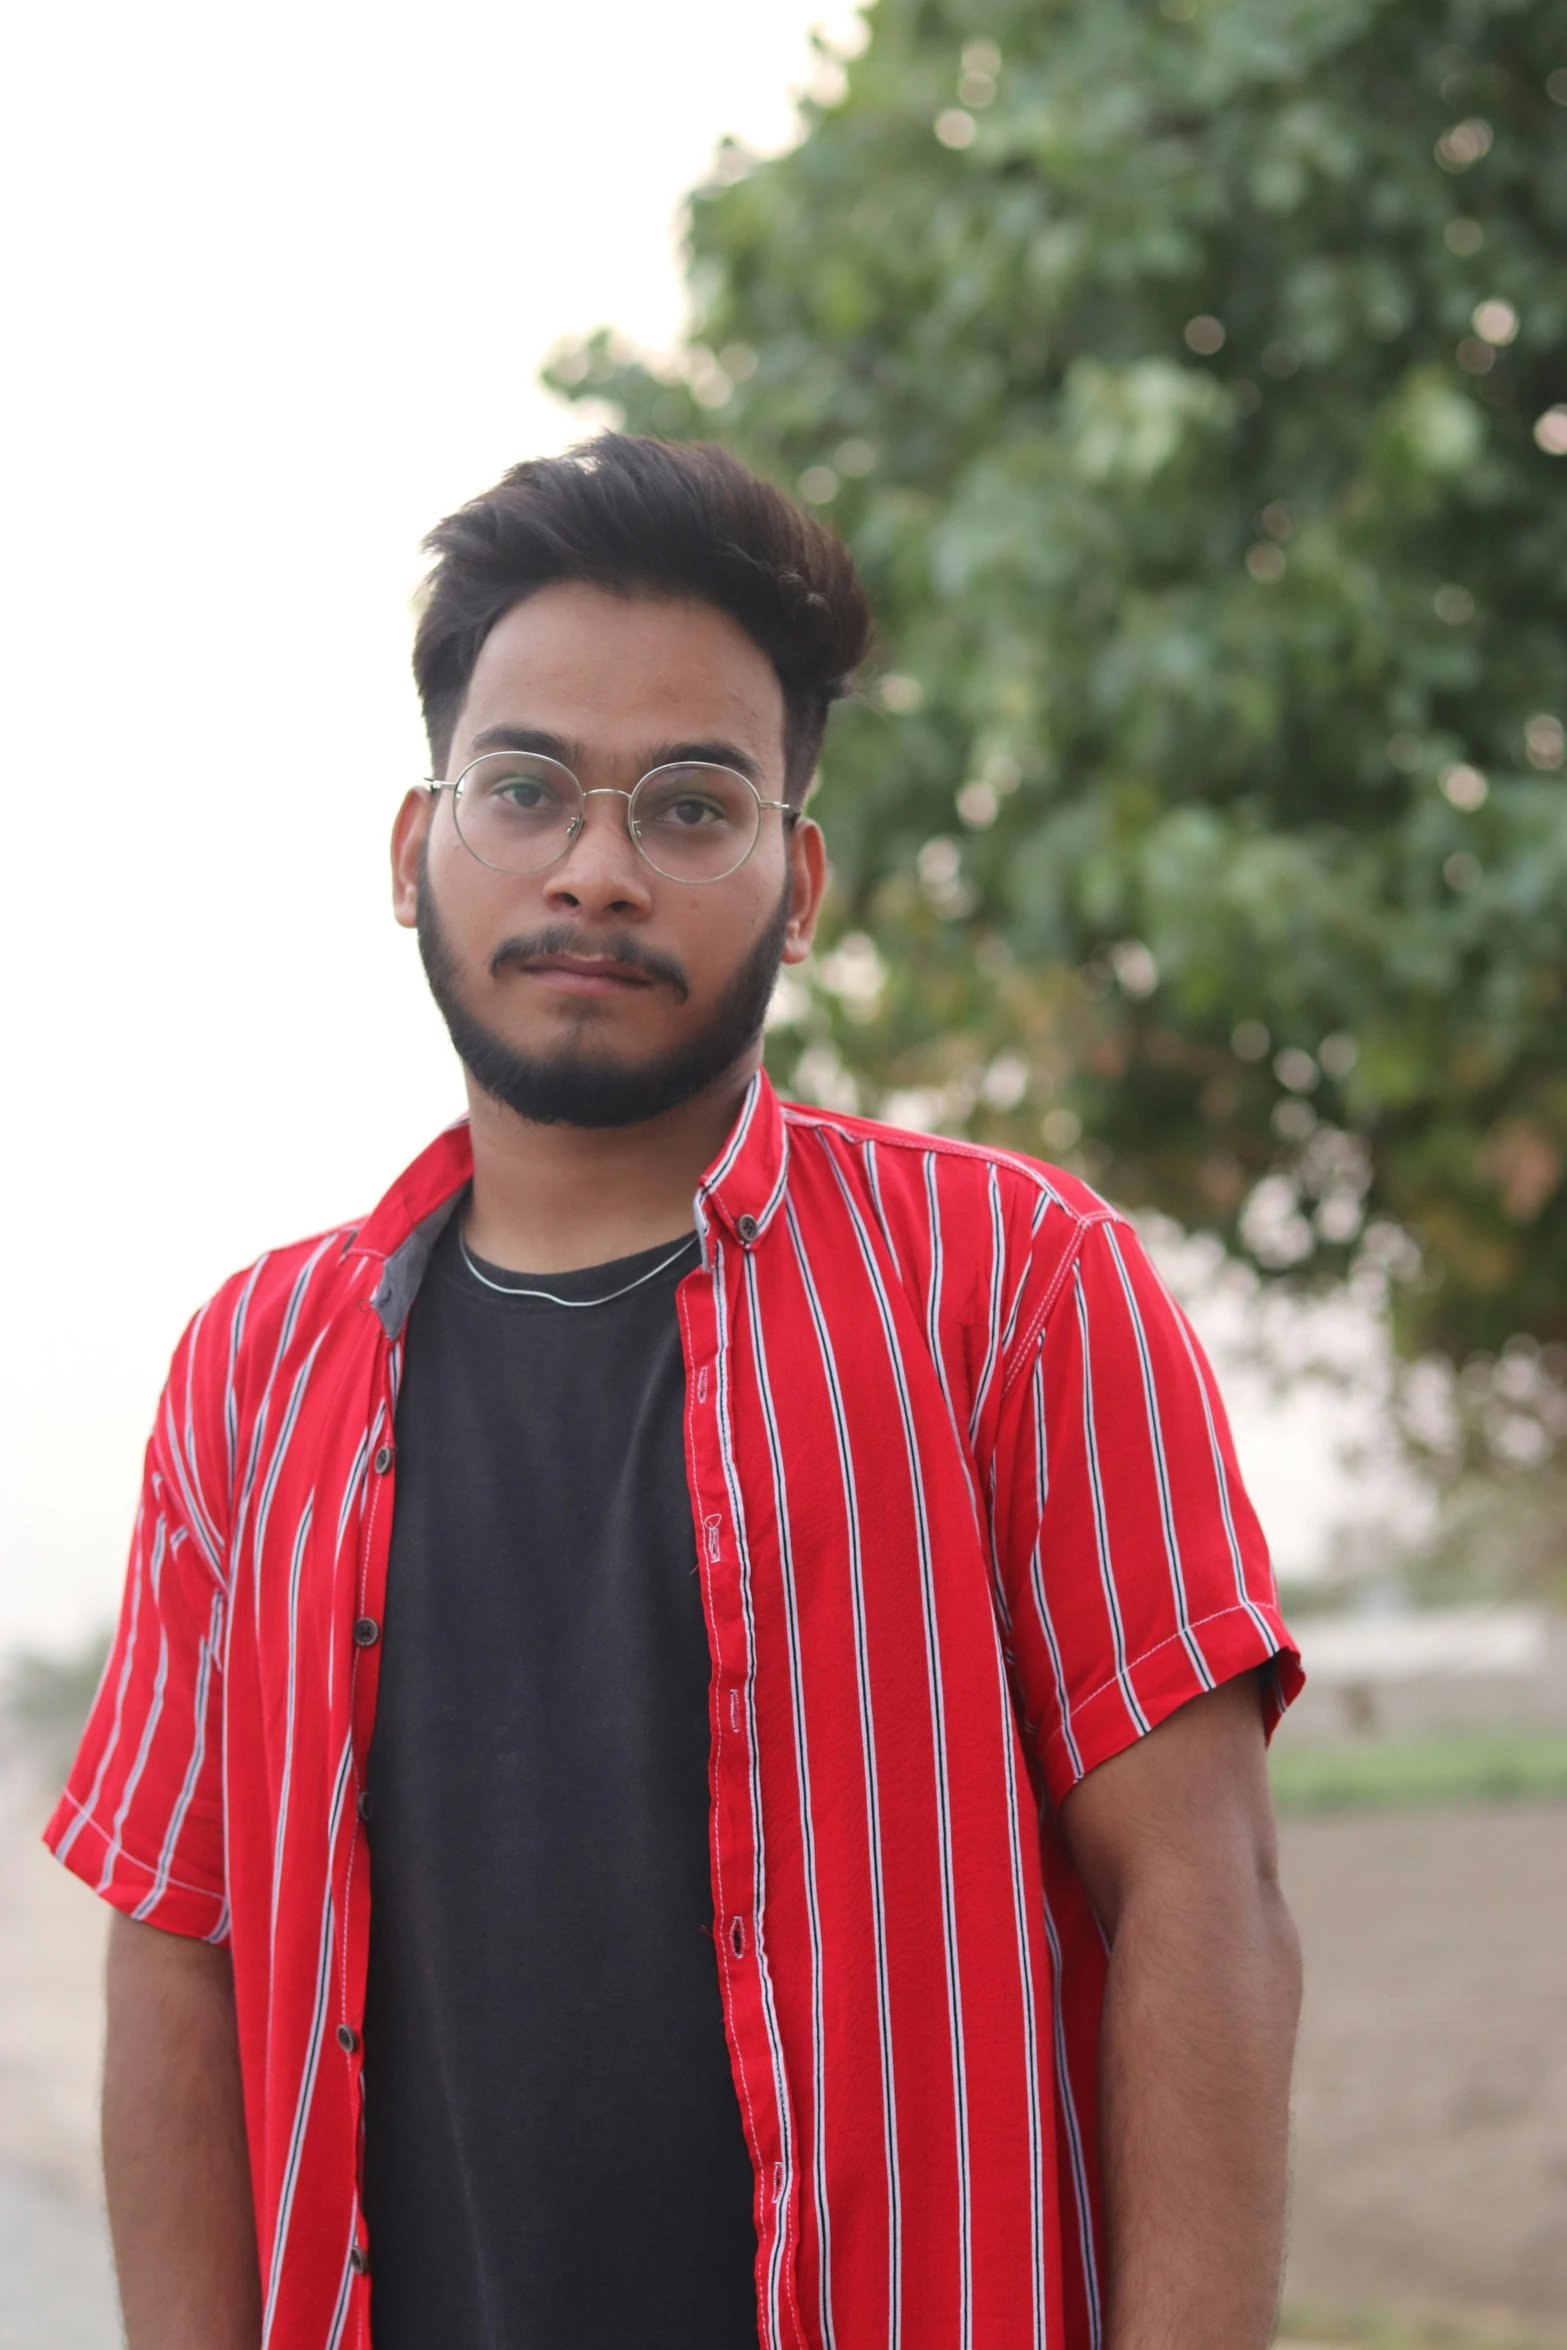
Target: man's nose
[602, 871]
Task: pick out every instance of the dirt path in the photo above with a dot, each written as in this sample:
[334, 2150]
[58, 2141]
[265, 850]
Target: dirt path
[1431, 2108]
[52, 1935]
[56, 2283]
[56, 2287]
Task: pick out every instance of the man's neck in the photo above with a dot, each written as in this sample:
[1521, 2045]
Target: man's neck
[547, 1199]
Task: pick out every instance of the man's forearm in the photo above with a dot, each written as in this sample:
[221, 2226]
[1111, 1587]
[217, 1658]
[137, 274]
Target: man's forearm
[174, 2156]
[1198, 2032]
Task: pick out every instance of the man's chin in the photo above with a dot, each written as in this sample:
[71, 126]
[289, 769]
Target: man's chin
[589, 1089]
[580, 1080]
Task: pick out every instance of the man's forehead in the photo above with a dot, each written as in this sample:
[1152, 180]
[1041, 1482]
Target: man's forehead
[624, 669]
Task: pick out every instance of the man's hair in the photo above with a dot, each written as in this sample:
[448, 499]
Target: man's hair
[681, 521]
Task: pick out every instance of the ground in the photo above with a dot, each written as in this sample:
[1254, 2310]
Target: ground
[1431, 2113]
[1431, 2102]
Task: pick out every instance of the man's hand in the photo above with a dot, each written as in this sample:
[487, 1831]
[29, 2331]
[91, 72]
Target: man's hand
[1174, 1839]
[174, 2158]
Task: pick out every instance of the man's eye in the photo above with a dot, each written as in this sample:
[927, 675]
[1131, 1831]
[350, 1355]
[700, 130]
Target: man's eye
[691, 812]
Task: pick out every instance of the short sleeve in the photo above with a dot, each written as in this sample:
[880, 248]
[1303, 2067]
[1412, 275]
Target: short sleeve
[1135, 1572]
[141, 1818]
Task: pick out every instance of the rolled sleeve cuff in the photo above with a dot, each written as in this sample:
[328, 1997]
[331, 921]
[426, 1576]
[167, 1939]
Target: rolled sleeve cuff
[137, 1888]
[1238, 1639]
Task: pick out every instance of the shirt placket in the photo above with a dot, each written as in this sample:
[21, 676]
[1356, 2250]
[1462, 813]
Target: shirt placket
[705, 1312]
[357, 1618]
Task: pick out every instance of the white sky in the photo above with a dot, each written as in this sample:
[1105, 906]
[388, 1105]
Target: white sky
[278, 286]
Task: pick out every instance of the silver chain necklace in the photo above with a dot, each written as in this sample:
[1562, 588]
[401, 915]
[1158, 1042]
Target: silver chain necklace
[512, 1289]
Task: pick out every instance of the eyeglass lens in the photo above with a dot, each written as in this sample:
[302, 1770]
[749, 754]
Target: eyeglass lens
[518, 812]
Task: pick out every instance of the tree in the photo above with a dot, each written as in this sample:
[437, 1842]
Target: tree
[1191, 385]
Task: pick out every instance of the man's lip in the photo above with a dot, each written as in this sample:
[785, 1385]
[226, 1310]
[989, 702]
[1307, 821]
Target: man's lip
[588, 973]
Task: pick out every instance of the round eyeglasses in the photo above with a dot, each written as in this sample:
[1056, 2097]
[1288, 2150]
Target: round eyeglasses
[519, 812]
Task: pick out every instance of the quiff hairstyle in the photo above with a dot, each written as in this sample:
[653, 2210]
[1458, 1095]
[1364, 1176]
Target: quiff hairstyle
[682, 521]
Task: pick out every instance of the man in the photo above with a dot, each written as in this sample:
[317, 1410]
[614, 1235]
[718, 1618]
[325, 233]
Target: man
[683, 1764]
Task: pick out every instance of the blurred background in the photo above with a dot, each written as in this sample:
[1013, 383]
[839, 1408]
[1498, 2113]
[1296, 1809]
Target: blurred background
[1190, 381]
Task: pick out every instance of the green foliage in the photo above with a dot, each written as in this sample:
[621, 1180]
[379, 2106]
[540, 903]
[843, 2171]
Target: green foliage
[1506, 1766]
[1174, 376]
[45, 1701]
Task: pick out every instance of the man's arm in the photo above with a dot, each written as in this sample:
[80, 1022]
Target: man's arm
[1175, 1842]
[174, 2157]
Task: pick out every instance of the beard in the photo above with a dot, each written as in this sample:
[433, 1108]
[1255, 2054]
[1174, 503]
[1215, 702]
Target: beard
[578, 1084]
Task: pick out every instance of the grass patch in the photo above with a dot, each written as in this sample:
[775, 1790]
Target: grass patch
[1320, 2329]
[1503, 1766]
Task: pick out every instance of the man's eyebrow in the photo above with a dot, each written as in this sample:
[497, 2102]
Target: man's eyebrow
[539, 740]
[706, 754]
[526, 738]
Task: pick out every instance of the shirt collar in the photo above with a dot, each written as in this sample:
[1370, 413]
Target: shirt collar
[408, 1221]
[745, 1184]
[743, 1188]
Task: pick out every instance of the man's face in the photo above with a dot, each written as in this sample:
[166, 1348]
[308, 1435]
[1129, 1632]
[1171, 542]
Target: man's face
[598, 991]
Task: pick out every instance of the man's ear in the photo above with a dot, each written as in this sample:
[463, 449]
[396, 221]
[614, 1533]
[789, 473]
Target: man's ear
[409, 834]
[808, 876]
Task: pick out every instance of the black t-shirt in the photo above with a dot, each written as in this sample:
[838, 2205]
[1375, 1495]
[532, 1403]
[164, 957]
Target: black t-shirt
[554, 2157]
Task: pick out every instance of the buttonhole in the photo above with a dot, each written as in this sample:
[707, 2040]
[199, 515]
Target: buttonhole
[701, 1384]
[734, 1709]
[737, 1936]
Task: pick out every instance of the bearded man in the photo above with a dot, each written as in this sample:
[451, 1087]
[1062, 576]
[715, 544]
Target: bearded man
[684, 1761]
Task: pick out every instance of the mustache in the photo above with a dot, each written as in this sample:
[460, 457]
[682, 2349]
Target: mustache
[616, 946]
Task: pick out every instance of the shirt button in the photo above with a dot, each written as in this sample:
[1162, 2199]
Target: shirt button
[383, 1460]
[366, 1632]
[359, 2261]
[347, 2038]
[747, 1227]
[362, 1803]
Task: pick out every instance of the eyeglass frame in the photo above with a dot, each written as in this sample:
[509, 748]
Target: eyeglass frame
[435, 786]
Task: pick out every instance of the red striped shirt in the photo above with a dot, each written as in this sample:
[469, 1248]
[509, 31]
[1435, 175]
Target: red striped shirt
[968, 1522]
